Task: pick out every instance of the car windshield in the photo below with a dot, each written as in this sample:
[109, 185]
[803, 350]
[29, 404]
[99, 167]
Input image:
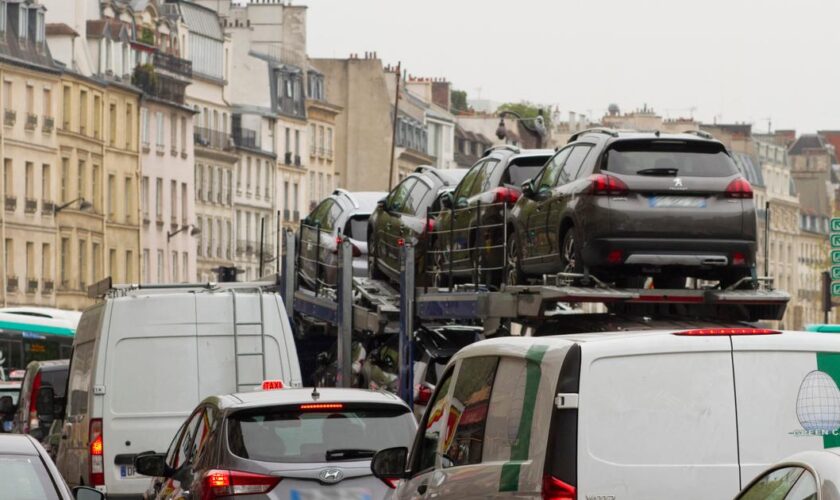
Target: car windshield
[290, 435]
[669, 158]
[24, 477]
[522, 169]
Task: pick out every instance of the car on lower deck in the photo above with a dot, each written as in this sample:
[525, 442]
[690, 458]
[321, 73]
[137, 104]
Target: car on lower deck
[278, 444]
[810, 475]
[406, 215]
[625, 205]
[342, 215]
[468, 241]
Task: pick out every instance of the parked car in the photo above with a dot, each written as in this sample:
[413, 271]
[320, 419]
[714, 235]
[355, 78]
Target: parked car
[810, 475]
[341, 215]
[629, 204]
[145, 356]
[468, 241]
[27, 473]
[9, 397]
[404, 216]
[433, 347]
[657, 414]
[280, 444]
[41, 375]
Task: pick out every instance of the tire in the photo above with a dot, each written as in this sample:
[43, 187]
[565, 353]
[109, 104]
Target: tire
[513, 274]
[669, 282]
[570, 258]
[373, 264]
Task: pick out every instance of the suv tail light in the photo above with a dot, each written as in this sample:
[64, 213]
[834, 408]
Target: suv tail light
[505, 195]
[224, 483]
[31, 423]
[391, 482]
[96, 449]
[555, 489]
[607, 185]
[430, 225]
[424, 394]
[713, 332]
[739, 188]
[354, 248]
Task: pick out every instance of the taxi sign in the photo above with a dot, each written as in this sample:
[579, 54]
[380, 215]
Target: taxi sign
[835, 256]
[835, 224]
[272, 385]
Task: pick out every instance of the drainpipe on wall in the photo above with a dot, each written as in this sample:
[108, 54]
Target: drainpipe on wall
[3, 224]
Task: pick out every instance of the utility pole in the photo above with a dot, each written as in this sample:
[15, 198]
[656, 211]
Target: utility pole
[394, 131]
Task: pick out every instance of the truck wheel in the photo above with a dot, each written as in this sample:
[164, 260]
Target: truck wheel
[570, 258]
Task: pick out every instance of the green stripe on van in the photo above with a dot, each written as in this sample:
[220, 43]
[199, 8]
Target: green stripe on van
[509, 480]
[24, 327]
[829, 362]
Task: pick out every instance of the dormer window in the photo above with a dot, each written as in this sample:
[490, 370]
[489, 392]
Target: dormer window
[3, 9]
[23, 21]
[40, 27]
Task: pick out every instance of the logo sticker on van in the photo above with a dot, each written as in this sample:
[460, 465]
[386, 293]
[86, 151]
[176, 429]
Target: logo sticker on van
[818, 401]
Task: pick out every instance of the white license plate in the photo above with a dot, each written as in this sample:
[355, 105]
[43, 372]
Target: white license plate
[677, 202]
[126, 471]
[331, 493]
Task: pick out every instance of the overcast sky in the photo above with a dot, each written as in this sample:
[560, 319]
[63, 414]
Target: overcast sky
[736, 60]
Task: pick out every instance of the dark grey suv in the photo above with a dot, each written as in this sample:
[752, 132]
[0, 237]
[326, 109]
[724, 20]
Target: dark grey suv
[627, 204]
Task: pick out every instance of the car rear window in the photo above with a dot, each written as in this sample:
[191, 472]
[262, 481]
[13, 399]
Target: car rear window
[522, 169]
[356, 227]
[24, 477]
[668, 157]
[14, 393]
[288, 434]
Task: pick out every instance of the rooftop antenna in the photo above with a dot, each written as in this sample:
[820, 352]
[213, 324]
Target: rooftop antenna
[315, 394]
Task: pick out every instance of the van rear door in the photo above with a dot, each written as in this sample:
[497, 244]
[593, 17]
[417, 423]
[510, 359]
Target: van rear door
[657, 418]
[788, 396]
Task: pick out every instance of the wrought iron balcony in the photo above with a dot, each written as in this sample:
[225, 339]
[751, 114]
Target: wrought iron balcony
[47, 207]
[173, 64]
[9, 117]
[11, 283]
[214, 139]
[31, 285]
[30, 205]
[47, 286]
[11, 203]
[246, 138]
[31, 121]
[49, 125]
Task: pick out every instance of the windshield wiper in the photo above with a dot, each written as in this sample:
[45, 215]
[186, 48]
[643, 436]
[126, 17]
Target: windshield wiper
[663, 172]
[349, 454]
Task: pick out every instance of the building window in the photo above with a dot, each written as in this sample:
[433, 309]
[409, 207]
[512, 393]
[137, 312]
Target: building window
[183, 135]
[83, 112]
[112, 126]
[83, 267]
[159, 131]
[129, 266]
[97, 116]
[30, 99]
[312, 139]
[23, 21]
[174, 271]
[129, 126]
[184, 203]
[112, 264]
[65, 178]
[186, 267]
[144, 197]
[46, 265]
[159, 199]
[97, 262]
[30, 260]
[173, 199]
[46, 182]
[7, 95]
[64, 272]
[144, 127]
[112, 186]
[81, 188]
[3, 8]
[127, 195]
[160, 278]
[66, 107]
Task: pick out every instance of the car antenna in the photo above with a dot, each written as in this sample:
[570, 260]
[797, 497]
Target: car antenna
[315, 394]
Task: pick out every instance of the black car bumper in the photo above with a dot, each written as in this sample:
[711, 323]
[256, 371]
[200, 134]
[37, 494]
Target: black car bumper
[651, 253]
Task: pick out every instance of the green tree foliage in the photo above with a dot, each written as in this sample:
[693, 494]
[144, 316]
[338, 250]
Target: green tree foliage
[526, 110]
[459, 101]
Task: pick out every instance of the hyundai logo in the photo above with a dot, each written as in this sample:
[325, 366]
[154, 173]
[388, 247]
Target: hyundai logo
[331, 476]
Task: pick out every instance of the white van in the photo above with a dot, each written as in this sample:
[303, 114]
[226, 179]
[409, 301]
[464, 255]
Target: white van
[692, 414]
[146, 356]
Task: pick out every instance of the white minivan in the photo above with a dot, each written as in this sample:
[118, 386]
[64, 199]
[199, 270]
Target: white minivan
[689, 414]
[146, 356]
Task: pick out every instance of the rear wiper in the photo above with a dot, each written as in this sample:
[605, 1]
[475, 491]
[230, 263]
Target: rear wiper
[349, 454]
[664, 172]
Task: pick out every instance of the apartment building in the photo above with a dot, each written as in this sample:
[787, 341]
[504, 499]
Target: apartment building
[322, 116]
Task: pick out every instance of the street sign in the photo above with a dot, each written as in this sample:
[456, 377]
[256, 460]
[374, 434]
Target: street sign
[835, 241]
[835, 273]
[835, 225]
[835, 256]
[835, 289]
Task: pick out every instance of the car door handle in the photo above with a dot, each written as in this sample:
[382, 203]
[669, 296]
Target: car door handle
[421, 490]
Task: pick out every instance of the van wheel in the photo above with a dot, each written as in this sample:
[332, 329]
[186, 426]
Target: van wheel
[513, 274]
[570, 259]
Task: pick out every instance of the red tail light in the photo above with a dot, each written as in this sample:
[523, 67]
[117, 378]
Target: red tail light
[607, 185]
[615, 257]
[738, 259]
[224, 483]
[96, 449]
[424, 394]
[391, 482]
[32, 422]
[354, 248]
[739, 188]
[505, 195]
[713, 332]
[430, 225]
[555, 489]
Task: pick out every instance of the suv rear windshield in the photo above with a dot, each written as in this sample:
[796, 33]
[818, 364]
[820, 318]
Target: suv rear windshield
[524, 168]
[283, 434]
[669, 158]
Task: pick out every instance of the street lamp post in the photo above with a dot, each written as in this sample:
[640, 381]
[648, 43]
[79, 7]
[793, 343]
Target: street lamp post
[537, 130]
[83, 205]
[194, 231]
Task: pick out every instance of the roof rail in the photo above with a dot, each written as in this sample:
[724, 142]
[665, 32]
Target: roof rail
[508, 147]
[700, 133]
[349, 196]
[596, 130]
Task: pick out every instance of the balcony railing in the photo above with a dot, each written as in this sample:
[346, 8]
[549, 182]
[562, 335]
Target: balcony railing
[30, 205]
[212, 139]
[297, 160]
[11, 203]
[173, 64]
[31, 285]
[286, 213]
[296, 215]
[47, 207]
[11, 283]
[49, 125]
[287, 158]
[9, 117]
[246, 138]
[47, 286]
[157, 85]
[31, 121]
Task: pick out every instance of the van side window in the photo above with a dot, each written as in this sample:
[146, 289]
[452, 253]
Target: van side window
[78, 385]
[503, 434]
[426, 446]
[468, 411]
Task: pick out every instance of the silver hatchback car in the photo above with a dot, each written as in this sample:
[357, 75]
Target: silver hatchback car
[300, 444]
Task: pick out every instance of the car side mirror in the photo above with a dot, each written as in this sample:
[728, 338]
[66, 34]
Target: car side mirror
[390, 463]
[85, 493]
[45, 404]
[446, 200]
[152, 464]
[528, 187]
[382, 205]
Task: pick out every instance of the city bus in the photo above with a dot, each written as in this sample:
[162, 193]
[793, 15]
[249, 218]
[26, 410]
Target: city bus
[34, 333]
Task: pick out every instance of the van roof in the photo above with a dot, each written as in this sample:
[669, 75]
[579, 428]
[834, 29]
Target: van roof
[260, 398]
[134, 290]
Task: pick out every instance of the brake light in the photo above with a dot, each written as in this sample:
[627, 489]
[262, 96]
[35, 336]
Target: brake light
[321, 406]
[424, 394]
[32, 423]
[738, 259]
[430, 225]
[505, 195]
[713, 332]
[607, 185]
[224, 483]
[96, 449]
[615, 257]
[739, 188]
[354, 248]
[271, 385]
[555, 489]
[400, 242]
[391, 482]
